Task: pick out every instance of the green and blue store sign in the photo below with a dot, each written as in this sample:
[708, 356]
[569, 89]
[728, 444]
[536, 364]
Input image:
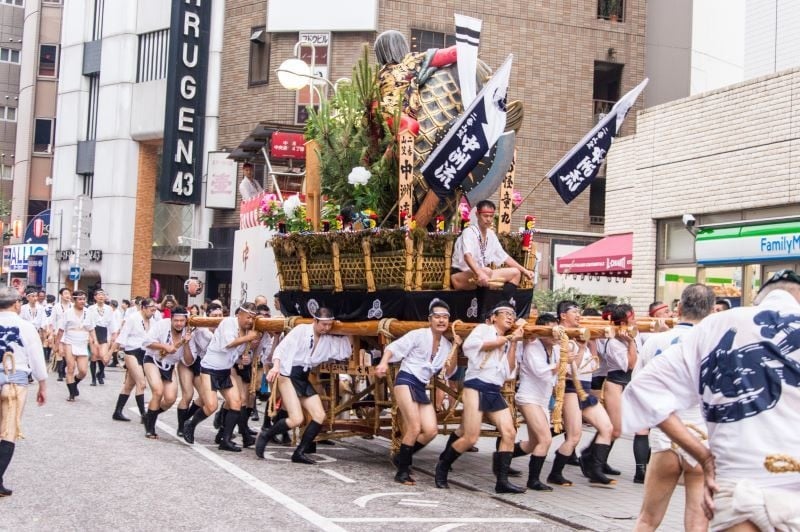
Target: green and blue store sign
[777, 242]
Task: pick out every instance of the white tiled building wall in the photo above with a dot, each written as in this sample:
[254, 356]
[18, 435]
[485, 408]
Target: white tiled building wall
[772, 36]
[735, 148]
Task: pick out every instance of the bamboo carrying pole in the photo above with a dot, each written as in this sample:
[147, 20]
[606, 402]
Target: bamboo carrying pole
[398, 328]
[312, 184]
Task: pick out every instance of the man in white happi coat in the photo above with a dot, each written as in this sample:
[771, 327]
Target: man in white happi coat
[743, 367]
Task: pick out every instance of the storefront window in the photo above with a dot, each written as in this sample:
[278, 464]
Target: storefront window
[677, 244]
[726, 282]
[671, 281]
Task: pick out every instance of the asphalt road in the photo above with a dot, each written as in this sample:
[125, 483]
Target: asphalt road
[78, 469]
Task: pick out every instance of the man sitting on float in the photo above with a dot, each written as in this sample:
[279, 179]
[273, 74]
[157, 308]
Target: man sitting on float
[476, 249]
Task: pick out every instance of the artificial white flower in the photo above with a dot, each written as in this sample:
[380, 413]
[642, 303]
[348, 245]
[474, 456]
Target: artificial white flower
[290, 205]
[359, 176]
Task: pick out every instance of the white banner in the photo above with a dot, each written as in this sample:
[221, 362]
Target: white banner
[221, 181]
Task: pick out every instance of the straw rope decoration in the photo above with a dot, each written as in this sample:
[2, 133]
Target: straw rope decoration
[782, 463]
[563, 349]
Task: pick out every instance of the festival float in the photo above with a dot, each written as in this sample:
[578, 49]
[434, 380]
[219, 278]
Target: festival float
[394, 160]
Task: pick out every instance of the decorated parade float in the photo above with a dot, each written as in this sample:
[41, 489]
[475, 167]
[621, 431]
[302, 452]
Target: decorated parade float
[394, 161]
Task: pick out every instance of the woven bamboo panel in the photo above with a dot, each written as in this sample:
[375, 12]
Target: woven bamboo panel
[389, 269]
[431, 270]
[320, 273]
[291, 274]
[353, 272]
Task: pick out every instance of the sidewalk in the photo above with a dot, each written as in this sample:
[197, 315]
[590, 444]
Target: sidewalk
[582, 506]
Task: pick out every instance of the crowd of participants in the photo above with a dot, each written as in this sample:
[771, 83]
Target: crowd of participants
[215, 372]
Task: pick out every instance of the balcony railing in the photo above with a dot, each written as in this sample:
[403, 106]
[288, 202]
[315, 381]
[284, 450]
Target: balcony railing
[601, 108]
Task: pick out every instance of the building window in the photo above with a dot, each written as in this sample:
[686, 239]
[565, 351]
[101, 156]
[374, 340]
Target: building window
[48, 60]
[17, 3]
[9, 114]
[43, 135]
[51, 1]
[597, 201]
[607, 83]
[7, 55]
[153, 54]
[610, 9]
[259, 56]
[422, 40]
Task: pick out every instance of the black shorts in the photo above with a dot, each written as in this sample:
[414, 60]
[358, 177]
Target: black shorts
[417, 388]
[166, 374]
[490, 398]
[299, 377]
[138, 353]
[245, 372]
[454, 271]
[590, 400]
[220, 378]
[102, 334]
[623, 378]
[195, 367]
[597, 382]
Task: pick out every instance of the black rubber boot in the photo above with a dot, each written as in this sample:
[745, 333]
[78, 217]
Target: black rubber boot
[585, 460]
[183, 415]
[446, 459]
[118, 415]
[101, 373]
[192, 409]
[93, 371]
[511, 471]
[230, 418]
[6, 453]
[638, 477]
[267, 423]
[286, 438]
[573, 459]
[191, 424]
[140, 405]
[254, 413]
[76, 383]
[73, 392]
[534, 470]
[607, 469]
[503, 460]
[417, 447]
[247, 438]
[219, 417]
[266, 435]
[599, 457]
[150, 419]
[61, 368]
[403, 463]
[299, 455]
[555, 476]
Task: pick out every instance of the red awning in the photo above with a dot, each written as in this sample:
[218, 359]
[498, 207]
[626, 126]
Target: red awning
[612, 255]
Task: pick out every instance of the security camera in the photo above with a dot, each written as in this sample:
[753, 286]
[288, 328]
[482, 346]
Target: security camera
[689, 221]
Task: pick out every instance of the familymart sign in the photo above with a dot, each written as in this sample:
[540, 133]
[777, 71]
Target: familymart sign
[755, 243]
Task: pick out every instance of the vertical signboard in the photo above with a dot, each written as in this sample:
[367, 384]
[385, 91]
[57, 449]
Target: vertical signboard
[182, 159]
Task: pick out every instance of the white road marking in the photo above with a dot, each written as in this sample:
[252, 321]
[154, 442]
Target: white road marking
[279, 497]
[447, 527]
[489, 520]
[362, 501]
[420, 504]
[341, 477]
[319, 458]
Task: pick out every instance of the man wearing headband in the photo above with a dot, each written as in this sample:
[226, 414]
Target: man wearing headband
[743, 366]
[491, 355]
[305, 347]
[165, 346]
[228, 346]
[476, 249]
[189, 374]
[424, 352]
[581, 364]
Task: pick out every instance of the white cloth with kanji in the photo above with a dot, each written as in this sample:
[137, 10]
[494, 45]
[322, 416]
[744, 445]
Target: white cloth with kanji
[743, 366]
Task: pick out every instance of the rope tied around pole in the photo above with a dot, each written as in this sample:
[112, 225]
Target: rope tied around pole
[384, 328]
